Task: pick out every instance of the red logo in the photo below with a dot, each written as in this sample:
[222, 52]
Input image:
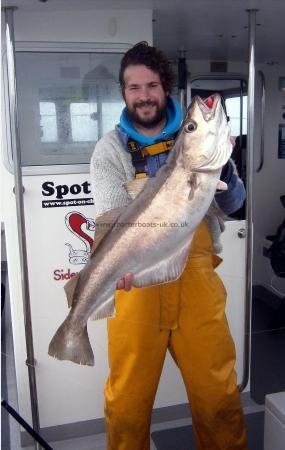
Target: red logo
[83, 228]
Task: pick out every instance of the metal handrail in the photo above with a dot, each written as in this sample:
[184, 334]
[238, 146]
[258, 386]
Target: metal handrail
[241, 112]
[182, 80]
[249, 191]
[263, 96]
[16, 152]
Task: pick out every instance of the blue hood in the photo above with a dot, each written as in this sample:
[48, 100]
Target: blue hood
[174, 119]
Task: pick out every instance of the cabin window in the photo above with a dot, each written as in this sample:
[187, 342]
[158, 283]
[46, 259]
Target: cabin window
[233, 113]
[84, 122]
[110, 113]
[48, 122]
[66, 102]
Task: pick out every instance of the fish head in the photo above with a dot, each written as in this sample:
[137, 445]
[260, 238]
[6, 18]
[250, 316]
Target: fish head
[206, 134]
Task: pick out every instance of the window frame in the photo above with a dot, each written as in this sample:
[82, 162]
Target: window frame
[52, 47]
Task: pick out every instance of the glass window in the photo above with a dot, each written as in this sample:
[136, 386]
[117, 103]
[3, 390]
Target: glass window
[233, 112]
[66, 102]
[84, 122]
[48, 122]
[110, 113]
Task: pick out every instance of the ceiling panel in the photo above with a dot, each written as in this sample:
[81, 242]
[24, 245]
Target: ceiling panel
[206, 29]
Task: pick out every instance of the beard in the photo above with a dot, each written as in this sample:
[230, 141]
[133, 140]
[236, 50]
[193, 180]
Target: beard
[148, 121]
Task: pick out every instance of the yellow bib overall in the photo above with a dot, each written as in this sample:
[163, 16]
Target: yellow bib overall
[187, 317]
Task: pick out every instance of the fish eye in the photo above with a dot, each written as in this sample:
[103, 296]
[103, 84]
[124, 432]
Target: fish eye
[191, 126]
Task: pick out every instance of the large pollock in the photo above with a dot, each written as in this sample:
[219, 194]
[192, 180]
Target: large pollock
[151, 237]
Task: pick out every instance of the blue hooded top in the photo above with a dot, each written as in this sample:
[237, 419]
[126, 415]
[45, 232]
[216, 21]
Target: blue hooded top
[126, 130]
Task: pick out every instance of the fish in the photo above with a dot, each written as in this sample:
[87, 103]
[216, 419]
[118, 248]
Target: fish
[151, 236]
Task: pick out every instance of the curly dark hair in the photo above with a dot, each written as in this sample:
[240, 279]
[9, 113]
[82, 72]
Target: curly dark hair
[151, 57]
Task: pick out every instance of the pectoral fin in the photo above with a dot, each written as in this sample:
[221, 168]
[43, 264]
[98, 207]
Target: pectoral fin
[134, 187]
[193, 183]
[169, 269]
[222, 186]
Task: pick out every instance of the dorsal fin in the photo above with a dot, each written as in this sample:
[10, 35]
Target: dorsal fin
[222, 186]
[134, 187]
[103, 225]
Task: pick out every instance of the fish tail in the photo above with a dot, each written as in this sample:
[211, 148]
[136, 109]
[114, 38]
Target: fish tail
[71, 345]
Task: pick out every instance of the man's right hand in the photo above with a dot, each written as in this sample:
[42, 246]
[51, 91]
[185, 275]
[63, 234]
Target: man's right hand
[126, 282]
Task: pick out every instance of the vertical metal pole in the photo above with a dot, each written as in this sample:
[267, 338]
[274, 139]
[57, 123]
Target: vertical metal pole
[249, 190]
[241, 112]
[182, 80]
[261, 162]
[16, 152]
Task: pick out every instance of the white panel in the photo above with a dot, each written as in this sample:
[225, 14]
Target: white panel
[120, 26]
[274, 432]
[232, 272]
[52, 245]
[274, 421]
[171, 389]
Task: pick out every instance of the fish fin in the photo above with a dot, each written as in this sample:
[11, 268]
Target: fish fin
[169, 269]
[222, 186]
[103, 225]
[216, 222]
[69, 288]
[66, 345]
[135, 186]
[193, 180]
[193, 183]
[106, 310]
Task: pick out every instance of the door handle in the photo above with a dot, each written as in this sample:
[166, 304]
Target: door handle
[241, 233]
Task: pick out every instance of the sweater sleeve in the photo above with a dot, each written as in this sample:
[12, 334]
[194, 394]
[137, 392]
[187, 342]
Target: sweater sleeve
[232, 199]
[107, 177]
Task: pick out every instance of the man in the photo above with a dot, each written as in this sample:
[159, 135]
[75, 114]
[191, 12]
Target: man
[186, 316]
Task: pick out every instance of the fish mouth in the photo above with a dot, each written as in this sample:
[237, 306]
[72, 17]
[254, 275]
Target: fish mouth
[208, 105]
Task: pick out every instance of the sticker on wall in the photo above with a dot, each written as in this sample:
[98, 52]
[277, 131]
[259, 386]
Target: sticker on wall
[65, 195]
[83, 228]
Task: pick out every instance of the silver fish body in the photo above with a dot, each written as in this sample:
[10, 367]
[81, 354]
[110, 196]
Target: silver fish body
[151, 237]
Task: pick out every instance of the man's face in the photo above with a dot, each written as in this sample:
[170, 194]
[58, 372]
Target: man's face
[144, 96]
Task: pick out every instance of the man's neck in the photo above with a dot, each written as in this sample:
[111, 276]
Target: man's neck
[150, 131]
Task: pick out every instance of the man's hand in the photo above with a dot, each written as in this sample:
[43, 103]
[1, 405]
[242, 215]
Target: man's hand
[126, 282]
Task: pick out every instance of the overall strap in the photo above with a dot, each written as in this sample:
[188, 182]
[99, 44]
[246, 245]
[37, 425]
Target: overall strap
[140, 154]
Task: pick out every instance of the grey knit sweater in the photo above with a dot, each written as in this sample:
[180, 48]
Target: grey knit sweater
[111, 165]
